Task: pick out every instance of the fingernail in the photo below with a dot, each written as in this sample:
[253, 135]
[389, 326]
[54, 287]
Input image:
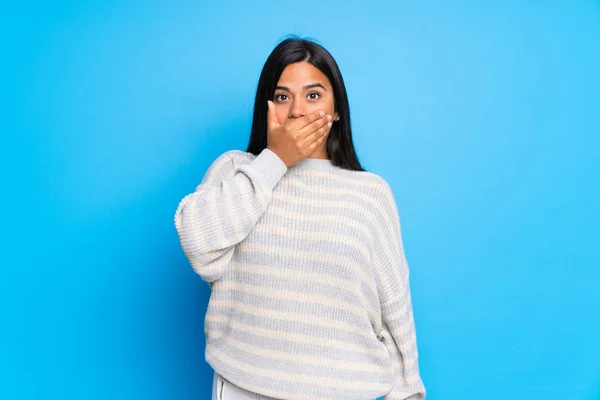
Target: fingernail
[329, 118]
[321, 113]
[329, 123]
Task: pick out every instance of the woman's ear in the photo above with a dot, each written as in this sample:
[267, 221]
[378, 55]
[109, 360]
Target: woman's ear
[336, 117]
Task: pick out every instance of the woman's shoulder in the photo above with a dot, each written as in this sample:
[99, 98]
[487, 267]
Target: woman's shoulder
[229, 159]
[223, 166]
[234, 154]
[380, 190]
[369, 178]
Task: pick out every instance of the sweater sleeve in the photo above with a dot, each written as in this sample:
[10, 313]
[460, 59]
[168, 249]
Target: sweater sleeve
[224, 208]
[398, 326]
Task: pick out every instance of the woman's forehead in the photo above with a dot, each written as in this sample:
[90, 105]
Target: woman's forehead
[300, 74]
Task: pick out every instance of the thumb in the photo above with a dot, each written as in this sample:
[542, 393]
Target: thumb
[272, 121]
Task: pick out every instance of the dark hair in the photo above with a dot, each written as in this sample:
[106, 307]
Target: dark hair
[339, 145]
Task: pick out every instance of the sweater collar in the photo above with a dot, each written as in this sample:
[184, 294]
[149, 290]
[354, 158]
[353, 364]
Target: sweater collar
[314, 164]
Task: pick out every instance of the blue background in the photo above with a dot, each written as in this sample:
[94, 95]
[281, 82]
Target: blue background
[483, 117]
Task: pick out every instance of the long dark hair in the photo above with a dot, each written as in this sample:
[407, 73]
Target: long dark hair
[339, 145]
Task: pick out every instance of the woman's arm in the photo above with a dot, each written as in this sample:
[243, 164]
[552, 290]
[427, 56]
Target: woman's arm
[398, 327]
[224, 208]
[400, 336]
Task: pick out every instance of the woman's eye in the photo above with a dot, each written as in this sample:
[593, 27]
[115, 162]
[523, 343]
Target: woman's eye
[284, 97]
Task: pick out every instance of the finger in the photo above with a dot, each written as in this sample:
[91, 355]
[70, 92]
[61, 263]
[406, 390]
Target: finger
[302, 122]
[315, 126]
[272, 121]
[318, 134]
[317, 138]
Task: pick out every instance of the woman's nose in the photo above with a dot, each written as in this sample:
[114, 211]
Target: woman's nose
[298, 110]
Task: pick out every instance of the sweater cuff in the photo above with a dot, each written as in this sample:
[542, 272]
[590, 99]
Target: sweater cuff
[270, 167]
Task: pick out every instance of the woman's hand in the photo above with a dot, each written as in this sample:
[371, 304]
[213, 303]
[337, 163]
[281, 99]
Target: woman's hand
[296, 139]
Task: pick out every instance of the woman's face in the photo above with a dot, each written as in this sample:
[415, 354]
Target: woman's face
[302, 89]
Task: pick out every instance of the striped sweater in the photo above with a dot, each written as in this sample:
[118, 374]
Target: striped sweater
[310, 294]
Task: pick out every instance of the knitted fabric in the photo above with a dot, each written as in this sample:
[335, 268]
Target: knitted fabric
[310, 294]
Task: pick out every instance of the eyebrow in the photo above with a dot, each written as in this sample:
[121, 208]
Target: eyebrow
[312, 85]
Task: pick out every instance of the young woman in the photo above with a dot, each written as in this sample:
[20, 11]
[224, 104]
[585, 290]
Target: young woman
[302, 250]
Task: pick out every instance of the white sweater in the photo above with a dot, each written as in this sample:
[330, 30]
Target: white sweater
[310, 284]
